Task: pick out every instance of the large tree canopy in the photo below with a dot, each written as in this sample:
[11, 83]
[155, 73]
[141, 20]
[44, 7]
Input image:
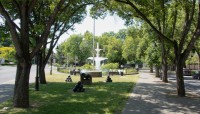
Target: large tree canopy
[185, 34]
[176, 23]
[30, 25]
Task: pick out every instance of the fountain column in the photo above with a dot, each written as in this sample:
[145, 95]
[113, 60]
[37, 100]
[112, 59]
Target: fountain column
[97, 59]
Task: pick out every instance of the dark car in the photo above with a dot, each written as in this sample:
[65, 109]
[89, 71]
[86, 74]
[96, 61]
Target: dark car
[196, 75]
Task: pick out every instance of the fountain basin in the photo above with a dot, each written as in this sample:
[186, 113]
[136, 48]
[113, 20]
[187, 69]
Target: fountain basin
[98, 61]
[94, 73]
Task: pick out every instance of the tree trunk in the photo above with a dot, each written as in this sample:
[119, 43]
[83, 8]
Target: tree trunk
[164, 69]
[164, 54]
[42, 65]
[180, 80]
[42, 74]
[172, 67]
[151, 69]
[21, 89]
[157, 71]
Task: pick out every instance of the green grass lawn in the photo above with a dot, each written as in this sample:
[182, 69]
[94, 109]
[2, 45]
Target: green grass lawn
[57, 96]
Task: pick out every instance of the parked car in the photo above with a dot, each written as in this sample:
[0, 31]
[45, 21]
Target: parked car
[196, 75]
[187, 72]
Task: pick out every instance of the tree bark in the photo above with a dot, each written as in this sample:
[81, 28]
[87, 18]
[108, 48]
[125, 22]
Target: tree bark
[42, 65]
[165, 69]
[179, 62]
[180, 79]
[42, 74]
[157, 71]
[21, 88]
[151, 69]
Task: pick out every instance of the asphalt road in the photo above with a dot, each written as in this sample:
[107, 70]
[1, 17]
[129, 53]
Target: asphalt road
[7, 80]
[191, 85]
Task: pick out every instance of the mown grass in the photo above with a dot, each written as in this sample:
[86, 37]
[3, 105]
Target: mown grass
[57, 96]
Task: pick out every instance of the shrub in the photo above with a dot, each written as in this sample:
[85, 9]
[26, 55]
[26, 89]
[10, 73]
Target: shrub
[57, 65]
[87, 67]
[130, 70]
[8, 53]
[110, 66]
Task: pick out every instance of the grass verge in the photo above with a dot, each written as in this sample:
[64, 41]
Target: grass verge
[57, 96]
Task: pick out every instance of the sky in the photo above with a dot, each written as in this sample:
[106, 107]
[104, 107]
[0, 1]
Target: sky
[108, 24]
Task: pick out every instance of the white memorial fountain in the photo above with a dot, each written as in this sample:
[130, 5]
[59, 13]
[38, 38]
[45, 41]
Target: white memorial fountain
[98, 59]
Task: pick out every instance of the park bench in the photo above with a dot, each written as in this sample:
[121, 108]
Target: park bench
[75, 72]
[111, 73]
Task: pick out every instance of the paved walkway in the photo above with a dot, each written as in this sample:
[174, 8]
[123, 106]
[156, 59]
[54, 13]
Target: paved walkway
[152, 96]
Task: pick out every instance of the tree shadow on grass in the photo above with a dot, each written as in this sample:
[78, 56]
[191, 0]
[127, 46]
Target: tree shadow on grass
[99, 97]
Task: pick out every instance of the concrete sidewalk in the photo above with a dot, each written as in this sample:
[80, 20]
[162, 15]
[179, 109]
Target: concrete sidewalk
[152, 96]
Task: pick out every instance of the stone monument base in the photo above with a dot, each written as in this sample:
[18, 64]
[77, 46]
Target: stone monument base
[95, 73]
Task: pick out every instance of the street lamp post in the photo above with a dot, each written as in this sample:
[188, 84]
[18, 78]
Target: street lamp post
[63, 58]
[37, 78]
[93, 43]
[75, 60]
[67, 60]
[37, 72]
[51, 63]
[198, 61]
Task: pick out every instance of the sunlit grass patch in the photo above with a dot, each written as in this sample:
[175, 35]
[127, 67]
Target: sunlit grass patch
[57, 96]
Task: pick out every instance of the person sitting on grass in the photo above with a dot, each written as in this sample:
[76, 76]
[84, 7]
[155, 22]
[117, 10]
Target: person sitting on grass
[78, 87]
[108, 79]
[69, 79]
